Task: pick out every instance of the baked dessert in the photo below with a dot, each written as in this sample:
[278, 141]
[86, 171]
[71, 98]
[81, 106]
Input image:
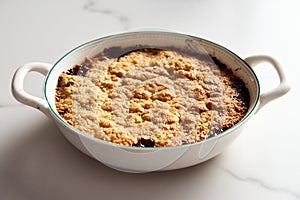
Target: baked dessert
[151, 97]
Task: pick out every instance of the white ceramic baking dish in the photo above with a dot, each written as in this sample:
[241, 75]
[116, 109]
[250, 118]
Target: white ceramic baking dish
[138, 159]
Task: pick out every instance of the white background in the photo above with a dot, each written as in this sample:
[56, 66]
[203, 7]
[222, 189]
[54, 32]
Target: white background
[37, 162]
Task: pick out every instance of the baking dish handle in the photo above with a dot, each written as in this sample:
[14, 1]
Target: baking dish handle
[17, 86]
[278, 91]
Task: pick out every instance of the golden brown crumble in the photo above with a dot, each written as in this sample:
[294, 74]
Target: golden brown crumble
[151, 97]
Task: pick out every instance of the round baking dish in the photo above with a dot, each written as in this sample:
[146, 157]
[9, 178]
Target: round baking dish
[138, 159]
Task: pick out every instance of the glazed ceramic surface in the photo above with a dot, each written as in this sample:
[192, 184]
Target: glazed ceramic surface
[137, 159]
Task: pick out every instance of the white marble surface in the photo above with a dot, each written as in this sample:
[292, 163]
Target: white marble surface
[36, 162]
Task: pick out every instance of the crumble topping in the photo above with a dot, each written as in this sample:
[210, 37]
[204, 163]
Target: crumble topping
[151, 98]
